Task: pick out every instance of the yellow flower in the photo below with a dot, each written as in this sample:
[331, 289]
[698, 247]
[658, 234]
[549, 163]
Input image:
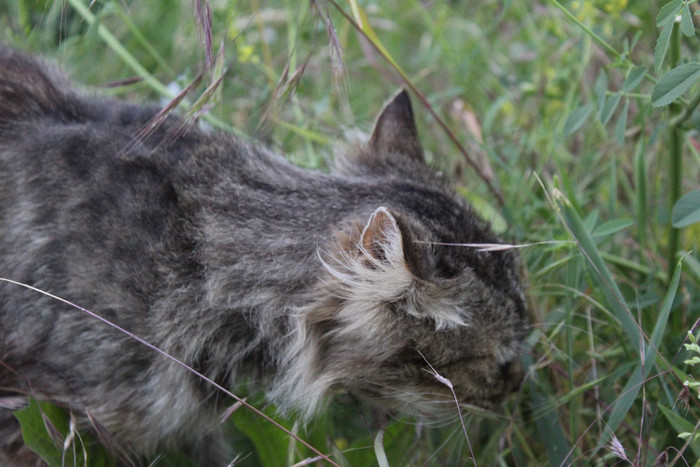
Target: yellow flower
[585, 10]
[342, 444]
[615, 7]
[246, 53]
[507, 108]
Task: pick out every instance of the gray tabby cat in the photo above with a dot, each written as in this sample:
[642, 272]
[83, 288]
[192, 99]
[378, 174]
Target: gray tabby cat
[226, 256]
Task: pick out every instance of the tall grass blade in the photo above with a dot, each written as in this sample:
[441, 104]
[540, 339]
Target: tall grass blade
[363, 21]
[640, 181]
[204, 28]
[355, 8]
[549, 429]
[118, 8]
[119, 49]
[379, 449]
[641, 372]
[130, 60]
[602, 275]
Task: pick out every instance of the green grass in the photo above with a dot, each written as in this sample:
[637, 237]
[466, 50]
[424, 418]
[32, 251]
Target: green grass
[565, 102]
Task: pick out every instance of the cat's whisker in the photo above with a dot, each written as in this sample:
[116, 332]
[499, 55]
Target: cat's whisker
[488, 247]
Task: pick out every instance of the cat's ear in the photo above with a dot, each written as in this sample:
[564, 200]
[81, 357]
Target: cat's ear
[395, 130]
[386, 238]
[381, 238]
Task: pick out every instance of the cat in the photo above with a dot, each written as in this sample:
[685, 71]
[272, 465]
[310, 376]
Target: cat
[242, 265]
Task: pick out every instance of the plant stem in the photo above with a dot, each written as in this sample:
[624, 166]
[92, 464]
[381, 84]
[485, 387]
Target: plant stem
[675, 170]
[682, 117]
[586, 29]
[675, 157]
[598, 39]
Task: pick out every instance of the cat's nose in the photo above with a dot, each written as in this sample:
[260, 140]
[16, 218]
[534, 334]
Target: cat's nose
[512, 373]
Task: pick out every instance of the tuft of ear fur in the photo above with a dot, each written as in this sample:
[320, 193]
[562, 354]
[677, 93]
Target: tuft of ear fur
[381, 236]
[387, 234]
[395, 131]
[379, 262]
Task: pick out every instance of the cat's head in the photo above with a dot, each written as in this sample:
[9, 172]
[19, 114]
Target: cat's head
[402, 312]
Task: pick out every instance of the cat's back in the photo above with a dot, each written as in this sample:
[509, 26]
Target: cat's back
[34, 93]
[83, 204]
[54, 137]
[50, 129]
[28, 89]
[44, 120]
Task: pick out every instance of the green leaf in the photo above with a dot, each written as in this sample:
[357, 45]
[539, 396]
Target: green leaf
[635, 39]
[681, 425]
[39, 417]
[634, 77]
[577, 118]
[611, 104]
[674, 83]
[661, 320]
[687, 210]
[668, 13]
[600, 88]
[271, 443]
[35, 421]
[621, 124]
[591, 220]
[612, 227]
[661, 48]
[687, 26]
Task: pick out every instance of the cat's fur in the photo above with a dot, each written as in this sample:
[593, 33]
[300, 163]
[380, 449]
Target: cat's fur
[226, 256]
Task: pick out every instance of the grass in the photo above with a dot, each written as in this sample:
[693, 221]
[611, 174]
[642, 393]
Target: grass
[558, 109]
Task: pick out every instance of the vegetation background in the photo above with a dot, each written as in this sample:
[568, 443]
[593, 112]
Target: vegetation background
[571, 123]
